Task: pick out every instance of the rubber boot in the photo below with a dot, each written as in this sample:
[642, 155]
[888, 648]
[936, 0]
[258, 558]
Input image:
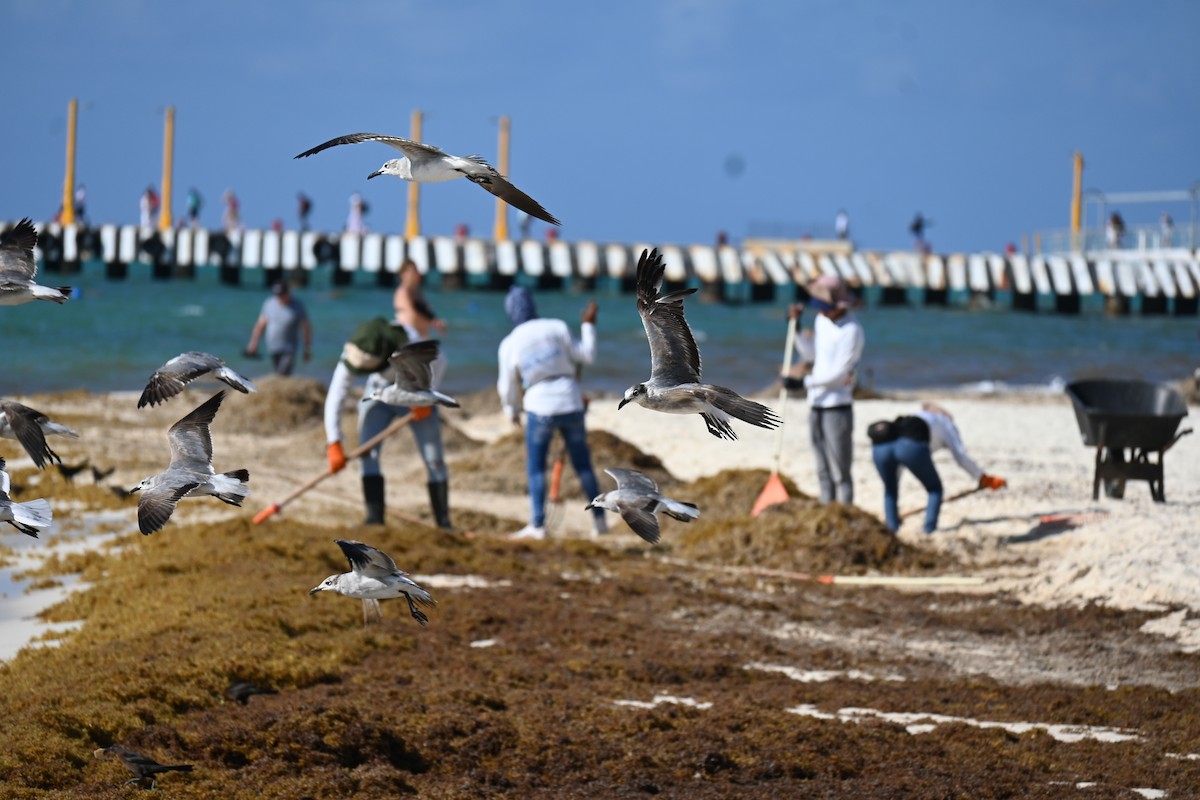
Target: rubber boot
[439, 501]
[373, 496]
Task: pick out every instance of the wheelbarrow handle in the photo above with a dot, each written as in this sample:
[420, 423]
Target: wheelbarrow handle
[1178, 436]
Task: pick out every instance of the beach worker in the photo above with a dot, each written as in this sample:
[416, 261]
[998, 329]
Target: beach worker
[194, 203]
[304, 209]
[841, 225]
[539, 363]
[355, 222]
[411, 307]
[835, 349]
[366, 356]
[282, 321]
[910, 441]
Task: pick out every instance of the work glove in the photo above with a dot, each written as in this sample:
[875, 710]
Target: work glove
[992, 482]
[421, 412]
[336, 457]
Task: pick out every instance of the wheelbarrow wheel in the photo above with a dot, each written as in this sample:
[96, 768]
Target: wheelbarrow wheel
[1114, 488]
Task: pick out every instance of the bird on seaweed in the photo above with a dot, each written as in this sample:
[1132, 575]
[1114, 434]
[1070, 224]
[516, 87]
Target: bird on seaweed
[674, 386]
[17, 268]
[30, 427]
[190, 473]
[424, 163]
[637, 500]
[28, 517]
[141, 766]
[169, 379]
[241, 692]
[412, 365]
[374, 577]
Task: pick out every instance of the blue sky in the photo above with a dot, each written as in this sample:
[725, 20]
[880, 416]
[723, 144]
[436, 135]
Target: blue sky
[632, 120]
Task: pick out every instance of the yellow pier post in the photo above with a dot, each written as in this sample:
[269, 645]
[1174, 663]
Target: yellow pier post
[164, 216]
[1077, 201]
[500, 232]
[412, 226]
[68, 201]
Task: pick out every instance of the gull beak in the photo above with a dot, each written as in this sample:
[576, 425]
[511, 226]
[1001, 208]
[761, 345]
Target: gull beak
[621, 404]
[137, 488]
[374, 174]
[589, 506]
[313, 591]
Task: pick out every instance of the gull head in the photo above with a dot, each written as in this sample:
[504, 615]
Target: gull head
[146, 483]
[632, 394]
[390, 167]
[330, 584]
[601, 501]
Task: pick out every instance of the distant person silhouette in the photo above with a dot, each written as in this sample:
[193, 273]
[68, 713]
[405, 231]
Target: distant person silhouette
[304, 208]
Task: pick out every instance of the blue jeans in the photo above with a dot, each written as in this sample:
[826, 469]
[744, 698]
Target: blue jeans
[375, 415]
[538, 433]
[889, 457]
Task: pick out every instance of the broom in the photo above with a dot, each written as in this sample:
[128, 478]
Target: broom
[774, 493]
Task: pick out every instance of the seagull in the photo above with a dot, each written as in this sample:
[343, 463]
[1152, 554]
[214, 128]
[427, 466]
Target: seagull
[636, 499]
[141, 766]
[674, 386]
[169, 379]
[414, 377]
[17, 269]
[375, 577]
[190, 473]
[424, 163]
[28, 517]
[29, 427]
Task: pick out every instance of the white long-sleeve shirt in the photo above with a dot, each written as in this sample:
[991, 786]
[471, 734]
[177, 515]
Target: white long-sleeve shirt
[835, 350]
[540, 357]
[339, 388]
[943, 434]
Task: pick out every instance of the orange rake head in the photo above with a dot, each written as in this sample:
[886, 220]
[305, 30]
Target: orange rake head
[772, 494]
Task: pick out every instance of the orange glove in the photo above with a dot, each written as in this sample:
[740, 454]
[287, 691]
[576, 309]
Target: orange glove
[422, 412]
[992, 482]
[336, 457]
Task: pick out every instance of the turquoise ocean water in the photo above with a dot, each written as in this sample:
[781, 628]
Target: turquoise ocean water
[116, 332]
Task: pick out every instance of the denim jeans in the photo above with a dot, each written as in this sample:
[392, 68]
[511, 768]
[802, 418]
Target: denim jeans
[375, 415]
[538, 433]
[889, 457]
[829, 431]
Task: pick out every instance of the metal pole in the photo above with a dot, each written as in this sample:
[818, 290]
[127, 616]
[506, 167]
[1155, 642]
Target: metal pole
[164, 216]
[500, 232]
[1077, 201]
[68, 202]
[412, 227]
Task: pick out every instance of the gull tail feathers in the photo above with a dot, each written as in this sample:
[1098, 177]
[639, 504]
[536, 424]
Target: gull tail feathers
[446, 400]
[56, 294]
[684, 512]
[230, 487]
[739, 407]
[226, 375]
[30, 516]
[58, 429]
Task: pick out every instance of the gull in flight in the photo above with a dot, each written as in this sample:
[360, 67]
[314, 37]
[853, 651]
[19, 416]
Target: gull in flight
[375, 577]
[28, 517]
[190, 473]
[169, 379]
[637, 500]
[17, 268]
[424, 163]
[412, 365]
[30, 427]
[674, 386]
[141, 766]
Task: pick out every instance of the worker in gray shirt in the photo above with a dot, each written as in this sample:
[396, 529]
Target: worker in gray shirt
[282, 319]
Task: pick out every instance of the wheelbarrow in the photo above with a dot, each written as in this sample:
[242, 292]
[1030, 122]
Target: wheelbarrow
[1128, 422]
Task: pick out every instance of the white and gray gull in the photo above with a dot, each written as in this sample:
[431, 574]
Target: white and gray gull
[28, 517]
[374, 577]
[413, 385]
[637, 500]
[30, 427]
[674, 386]
[17, 268]
[424, 163]
[169, 379]
[190, 473]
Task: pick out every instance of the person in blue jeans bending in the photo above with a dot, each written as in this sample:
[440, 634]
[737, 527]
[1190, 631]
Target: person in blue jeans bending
[539, 361]
[910, 441]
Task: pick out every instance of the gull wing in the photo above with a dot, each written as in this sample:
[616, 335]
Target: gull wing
[190, 439]
[487, 177]
[169, 379]
[411, 363]
[26, 424]
[633, 481]
[407, 146]
[640, 517]
[16, 248]
[674, 358]
[156, 505]
[370, 562]
[5, 480]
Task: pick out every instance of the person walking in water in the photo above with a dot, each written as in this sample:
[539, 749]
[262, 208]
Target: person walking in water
[283, 320]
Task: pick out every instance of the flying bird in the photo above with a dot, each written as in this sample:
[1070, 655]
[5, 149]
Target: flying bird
[17, 268]
[412, 364]
[190, 473]
[637, 500]
[674, 386]
[424, 163]
[169, 379]
[30, 427]
[28, 517]
[375, 577]
[141, 766]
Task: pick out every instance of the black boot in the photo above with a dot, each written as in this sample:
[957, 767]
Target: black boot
[439, 501]
[373, 496]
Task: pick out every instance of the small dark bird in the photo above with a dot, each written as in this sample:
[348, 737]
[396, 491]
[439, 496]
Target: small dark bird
[99, 475]
[69, 471]
[242, 692]
[141, 766]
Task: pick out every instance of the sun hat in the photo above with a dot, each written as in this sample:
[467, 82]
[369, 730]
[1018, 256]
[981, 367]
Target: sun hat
[829, 293]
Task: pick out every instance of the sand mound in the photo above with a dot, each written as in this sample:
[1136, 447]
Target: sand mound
[283, 404]
[801, 534]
